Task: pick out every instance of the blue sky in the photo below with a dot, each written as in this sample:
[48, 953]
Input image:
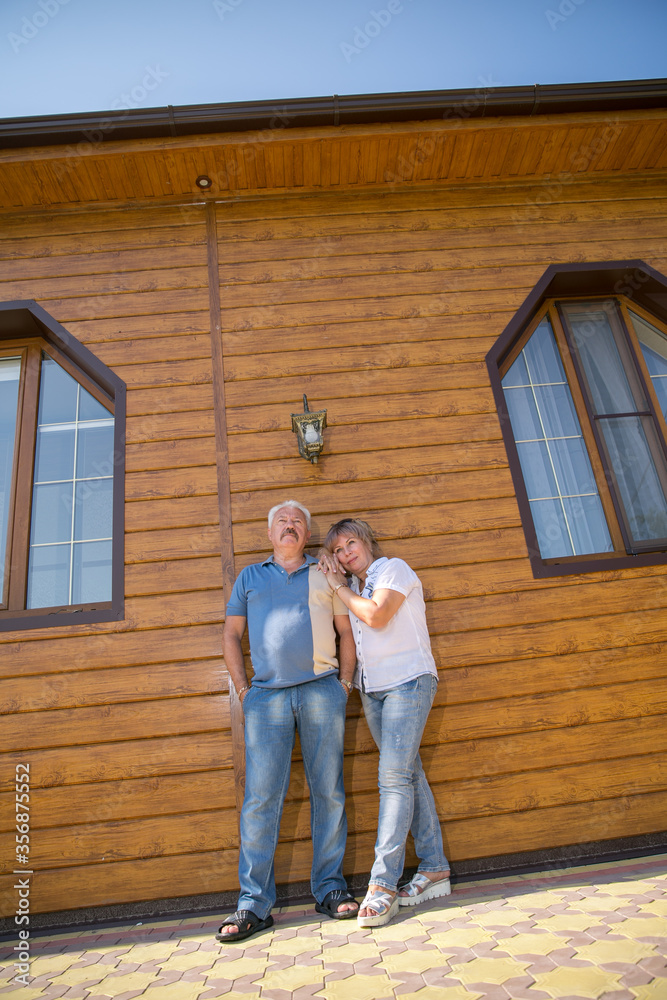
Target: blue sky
[62, 56]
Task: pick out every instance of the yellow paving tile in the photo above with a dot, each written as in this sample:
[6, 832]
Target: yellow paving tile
[123, 950]
[588, 982]
[651, 991]
[295, 946]
[358, 988]
[439, 993]
[658, 906]
[532, 901]
[458, 937]
[401, 931]
[113, 985]
[179, 991]
[293, 978]
[639, 927]
[531, 944]
[500, 918]
[75, 977]
[352, 952]
[600, 904]
[226, 968]
[626, 950]
[189, 960]
[567, 922]
[46, 965]
[647, 885]
[413, 961]
[22, 993]
[156, 951]
[339, 928]
[488, 970]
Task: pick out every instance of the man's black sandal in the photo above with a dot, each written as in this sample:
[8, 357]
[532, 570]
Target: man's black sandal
[247, 922]
[332, 901]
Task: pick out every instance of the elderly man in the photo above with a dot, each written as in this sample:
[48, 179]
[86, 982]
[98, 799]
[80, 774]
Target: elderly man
[292, 620]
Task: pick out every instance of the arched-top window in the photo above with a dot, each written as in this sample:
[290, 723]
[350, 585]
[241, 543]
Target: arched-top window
[580, 379]
[61, 476]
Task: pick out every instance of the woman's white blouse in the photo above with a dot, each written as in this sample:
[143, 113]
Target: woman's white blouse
[401, 650]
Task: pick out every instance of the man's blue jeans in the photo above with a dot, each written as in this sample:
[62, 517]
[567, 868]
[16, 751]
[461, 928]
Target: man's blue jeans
[272, 716]
[396, 719]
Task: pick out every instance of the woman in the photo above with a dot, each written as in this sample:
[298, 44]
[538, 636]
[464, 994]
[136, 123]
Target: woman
[397, 678]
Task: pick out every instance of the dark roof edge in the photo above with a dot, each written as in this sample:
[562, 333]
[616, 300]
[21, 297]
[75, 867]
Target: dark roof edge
[483, 102]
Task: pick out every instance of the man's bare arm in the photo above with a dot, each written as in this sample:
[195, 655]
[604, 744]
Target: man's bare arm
[347, 651]
[233, 651]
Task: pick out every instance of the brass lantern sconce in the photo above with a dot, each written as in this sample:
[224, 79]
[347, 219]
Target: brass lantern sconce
[309, 428]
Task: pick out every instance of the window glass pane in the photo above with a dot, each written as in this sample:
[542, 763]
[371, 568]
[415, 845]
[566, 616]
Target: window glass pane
[94, 449]
[660, 386]
[73, 467]
[90, 409]
[598, 352]
[537, 470]
[657, 365]
[48, 579]
[10, 371]
[542, 357]
[57, 393]
[654, 348]
[587, 524]
[93, 509]
[572, 467]
[523, 412]
[551, 528]
[639, 484]
[54, 453]
[92, 572]
[554, 460]
[51, 513]
[517, 374]
[557, 410]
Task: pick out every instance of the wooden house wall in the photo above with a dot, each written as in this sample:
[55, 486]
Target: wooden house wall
[549, 723]
[126, 725]
[548, 726]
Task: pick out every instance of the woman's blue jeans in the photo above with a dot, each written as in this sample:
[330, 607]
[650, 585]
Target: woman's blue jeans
[272, 716]
[396, 719]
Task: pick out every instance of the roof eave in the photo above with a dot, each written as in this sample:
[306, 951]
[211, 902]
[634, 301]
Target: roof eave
[246, 116]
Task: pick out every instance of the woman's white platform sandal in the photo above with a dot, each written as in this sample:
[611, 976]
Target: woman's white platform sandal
[421, 887]
[383, 905]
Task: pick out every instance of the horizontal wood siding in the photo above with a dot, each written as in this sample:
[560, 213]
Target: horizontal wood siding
[549, 722]
[126, 726]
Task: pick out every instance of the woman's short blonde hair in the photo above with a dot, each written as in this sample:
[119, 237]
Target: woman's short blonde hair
[356, 528]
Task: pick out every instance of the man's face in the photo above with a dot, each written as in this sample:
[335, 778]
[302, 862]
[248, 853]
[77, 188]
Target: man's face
[289, 530]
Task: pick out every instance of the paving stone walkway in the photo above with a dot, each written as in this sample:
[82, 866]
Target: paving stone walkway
[596, 932]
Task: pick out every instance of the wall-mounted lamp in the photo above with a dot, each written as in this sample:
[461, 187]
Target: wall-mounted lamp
[203, 182]
[308, 428]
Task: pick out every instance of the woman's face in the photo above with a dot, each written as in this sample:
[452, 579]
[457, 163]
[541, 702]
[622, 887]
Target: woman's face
[353, 554]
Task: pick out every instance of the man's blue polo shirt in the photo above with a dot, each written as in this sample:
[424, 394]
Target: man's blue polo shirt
[290, 622]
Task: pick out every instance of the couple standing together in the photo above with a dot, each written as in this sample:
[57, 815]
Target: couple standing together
[293, 607]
